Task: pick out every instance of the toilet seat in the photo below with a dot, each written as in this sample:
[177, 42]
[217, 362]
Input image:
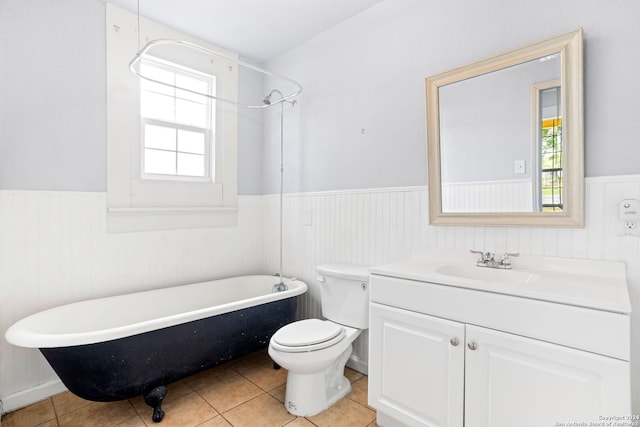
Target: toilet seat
[307, 335]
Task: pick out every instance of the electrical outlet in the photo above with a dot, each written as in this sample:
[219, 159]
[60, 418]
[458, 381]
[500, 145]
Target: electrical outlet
[629, 228]
[629, 214]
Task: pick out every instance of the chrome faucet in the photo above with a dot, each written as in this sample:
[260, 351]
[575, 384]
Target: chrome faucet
[504, 262]
[488, 259]
[279, 287]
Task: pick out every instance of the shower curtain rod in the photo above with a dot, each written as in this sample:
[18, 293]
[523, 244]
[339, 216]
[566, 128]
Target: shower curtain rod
[144, 51]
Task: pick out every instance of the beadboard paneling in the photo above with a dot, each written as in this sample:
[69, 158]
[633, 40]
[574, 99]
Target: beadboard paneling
[54, 249]
[372, 227]
[494, 196]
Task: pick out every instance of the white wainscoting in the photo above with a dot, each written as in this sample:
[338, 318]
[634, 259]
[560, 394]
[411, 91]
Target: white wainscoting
[493, 196]
[364, 227]
[54, 248]
[371, 227]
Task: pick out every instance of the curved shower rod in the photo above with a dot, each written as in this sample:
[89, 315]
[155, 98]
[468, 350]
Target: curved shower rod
[138, 57]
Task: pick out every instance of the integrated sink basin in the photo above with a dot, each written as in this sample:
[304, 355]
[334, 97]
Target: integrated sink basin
[485, 274]
[599, 285]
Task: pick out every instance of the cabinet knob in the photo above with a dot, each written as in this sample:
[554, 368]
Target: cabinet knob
[472, 345]
[454, 341]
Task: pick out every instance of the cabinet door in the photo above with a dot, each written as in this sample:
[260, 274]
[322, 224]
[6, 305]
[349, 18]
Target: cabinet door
[416, 365]
[516, 381]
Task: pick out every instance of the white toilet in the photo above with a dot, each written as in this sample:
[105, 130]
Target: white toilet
[315, 351]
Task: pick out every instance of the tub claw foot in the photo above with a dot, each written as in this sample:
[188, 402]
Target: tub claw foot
[154, 399]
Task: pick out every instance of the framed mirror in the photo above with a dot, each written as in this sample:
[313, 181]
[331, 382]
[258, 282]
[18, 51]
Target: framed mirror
[505, 138]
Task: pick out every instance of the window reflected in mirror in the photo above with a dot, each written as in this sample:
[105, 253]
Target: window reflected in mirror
[505, 138]
[549, 123]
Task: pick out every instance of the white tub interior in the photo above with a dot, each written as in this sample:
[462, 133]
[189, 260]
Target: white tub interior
[109, 318]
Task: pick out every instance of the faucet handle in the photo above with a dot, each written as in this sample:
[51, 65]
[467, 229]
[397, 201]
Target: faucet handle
[484, 256]
[486, 259]
[505, 258]
[481, 253]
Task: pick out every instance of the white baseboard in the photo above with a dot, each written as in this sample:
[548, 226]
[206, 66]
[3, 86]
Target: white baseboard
[357, 364]
[32, 395]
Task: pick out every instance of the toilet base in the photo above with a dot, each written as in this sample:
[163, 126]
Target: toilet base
[310, 394]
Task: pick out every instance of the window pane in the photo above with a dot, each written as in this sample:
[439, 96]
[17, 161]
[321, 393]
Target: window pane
[159, 137]
[157, 88]
[191, 142]
[148, 86]
[156, 73]
[169, 148]
[156, 161]
[191, 113]
[193, 84]
[190, 164]
[156, 106]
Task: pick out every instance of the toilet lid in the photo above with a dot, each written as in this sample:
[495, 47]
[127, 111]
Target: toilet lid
[308, 335]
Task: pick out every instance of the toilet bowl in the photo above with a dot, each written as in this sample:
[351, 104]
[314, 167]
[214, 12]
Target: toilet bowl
[315, 351]
[315, 380]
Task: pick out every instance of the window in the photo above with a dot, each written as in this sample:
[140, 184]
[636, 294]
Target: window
[171, 153]
[548, 123]
[551, 161]
[551, 150]
[177, 125]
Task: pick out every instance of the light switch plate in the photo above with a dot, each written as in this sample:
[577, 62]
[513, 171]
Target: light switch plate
[630, 209]
[308, 218]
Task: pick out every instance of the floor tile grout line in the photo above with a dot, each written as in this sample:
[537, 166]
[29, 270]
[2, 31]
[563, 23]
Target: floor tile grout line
[55, 411]
[240, 369]
[233, 407]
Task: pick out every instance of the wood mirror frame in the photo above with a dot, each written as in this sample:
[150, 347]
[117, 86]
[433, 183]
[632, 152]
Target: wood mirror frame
[569, 46]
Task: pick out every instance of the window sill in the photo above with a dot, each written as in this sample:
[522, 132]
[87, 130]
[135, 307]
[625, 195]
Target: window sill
[128, 220]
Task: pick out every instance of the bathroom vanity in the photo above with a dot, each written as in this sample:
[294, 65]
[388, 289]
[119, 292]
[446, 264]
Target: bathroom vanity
[542, 344]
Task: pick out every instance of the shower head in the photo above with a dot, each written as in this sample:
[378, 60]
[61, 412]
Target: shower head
[267, 99]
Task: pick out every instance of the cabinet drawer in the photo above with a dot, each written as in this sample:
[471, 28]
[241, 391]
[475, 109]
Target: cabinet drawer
[601, 332]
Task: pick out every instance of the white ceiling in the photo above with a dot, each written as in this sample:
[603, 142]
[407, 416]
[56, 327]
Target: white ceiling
[257, 29]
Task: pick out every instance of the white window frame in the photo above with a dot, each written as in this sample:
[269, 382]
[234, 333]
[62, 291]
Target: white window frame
[176, 177]
[136, 204]
[208, 130]
[537, 118]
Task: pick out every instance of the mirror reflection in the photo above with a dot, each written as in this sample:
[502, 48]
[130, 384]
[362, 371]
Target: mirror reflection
[504, 148]
[488, 138]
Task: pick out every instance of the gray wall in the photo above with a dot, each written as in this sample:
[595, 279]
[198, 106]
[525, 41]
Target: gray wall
[360, 121]
[250, 92]
[53, 100]
[368, 73]
[52, 95]
[486, 123]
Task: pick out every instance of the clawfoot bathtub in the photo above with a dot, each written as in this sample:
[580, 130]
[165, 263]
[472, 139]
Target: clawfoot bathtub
[135, 344]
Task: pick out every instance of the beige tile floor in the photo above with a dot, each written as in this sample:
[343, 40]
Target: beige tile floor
[243, 392]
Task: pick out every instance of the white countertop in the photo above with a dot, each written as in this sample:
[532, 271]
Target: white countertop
[599, 285]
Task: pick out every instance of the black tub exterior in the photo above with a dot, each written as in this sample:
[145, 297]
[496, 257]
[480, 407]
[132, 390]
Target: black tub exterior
[132, 366]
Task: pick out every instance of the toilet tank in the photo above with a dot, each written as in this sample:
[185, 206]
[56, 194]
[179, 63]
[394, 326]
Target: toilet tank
[345, 294]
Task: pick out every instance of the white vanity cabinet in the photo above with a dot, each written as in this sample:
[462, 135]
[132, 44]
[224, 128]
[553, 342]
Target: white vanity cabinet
[416, 367]
[512, 380]
[456, 355]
